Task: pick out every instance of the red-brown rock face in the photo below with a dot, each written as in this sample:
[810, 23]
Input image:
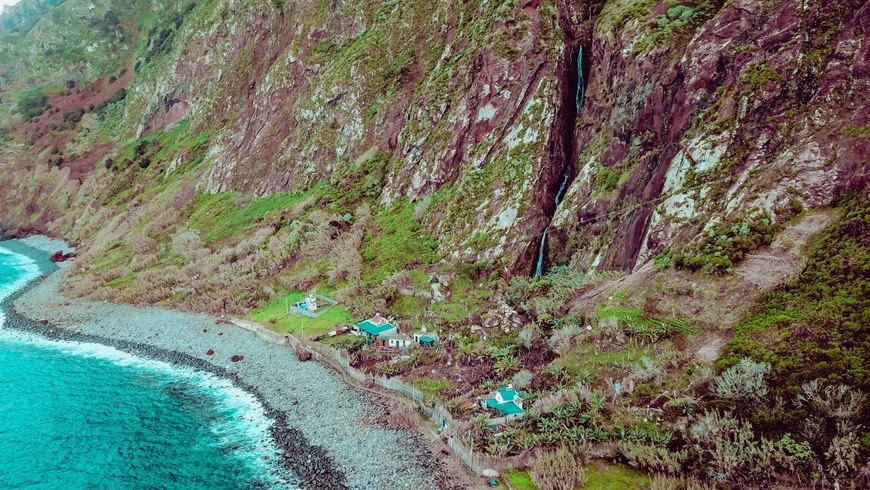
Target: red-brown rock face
[691, 115]
[748, 108]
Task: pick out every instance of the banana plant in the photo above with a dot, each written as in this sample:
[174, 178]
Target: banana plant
[506, 365]
[597, 401]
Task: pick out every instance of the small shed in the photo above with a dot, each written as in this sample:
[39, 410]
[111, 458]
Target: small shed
[425, 339]
[397, 341]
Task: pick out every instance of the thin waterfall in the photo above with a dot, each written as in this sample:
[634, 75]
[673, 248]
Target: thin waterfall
[539, 268]
[564, 185]
[581, 81]
[568, 135]
[569, 169]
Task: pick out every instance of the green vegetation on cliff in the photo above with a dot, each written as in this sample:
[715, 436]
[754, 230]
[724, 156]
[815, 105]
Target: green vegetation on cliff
[816, 328]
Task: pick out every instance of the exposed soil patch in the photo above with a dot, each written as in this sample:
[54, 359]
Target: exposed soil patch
[44, 140]
[709, 352]
[782, 260]
[85, 164]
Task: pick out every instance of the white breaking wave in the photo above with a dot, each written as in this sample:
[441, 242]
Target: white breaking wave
[244, 423]
[29, 271]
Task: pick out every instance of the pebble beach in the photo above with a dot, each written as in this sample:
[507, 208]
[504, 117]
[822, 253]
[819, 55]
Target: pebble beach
[331, 435]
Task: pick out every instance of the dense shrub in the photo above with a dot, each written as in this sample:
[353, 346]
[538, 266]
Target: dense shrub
[607, 179]
[744, 381]
[118, 96]
[725, 246]
[652, 458]
[32, 104]
[558, 470]
[70, 119]
[818, 326]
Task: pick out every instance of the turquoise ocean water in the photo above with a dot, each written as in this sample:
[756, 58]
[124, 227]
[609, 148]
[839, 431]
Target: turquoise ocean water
[76, 415]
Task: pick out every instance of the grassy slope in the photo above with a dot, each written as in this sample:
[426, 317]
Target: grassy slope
[599, 476]
[270, 312]
[817, 326]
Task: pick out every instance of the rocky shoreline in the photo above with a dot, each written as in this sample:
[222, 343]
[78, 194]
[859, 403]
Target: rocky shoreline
[306, 401]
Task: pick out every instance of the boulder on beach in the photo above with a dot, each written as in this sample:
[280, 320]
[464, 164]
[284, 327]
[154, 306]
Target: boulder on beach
[302, 353]
[59, 256]
[237, 358]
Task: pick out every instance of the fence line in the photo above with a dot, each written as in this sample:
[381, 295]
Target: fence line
[437, 413]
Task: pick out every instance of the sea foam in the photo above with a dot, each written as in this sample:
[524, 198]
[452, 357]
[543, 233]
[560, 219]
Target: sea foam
[243, 423]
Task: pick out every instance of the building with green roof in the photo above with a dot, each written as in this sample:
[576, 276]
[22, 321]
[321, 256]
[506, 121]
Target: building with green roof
[375, 327]
[425, 339]
[507, 401]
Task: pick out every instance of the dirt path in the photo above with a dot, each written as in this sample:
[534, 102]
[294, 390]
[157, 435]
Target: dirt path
[717, 302]
[782, 260]
[709, 352]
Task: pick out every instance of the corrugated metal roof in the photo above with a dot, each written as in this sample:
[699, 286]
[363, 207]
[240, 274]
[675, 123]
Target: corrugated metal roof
[508, 408]
[507, 393]
[372, 329]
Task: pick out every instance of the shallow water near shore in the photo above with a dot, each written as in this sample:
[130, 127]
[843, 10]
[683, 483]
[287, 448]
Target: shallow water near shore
[77, 415]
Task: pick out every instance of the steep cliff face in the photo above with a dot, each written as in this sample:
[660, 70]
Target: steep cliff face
[586, 196]
[460, 96]
[738, 108]
[694, 114]
[528, 133]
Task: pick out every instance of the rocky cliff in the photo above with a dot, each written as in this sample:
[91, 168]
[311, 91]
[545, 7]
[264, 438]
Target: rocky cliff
[648, 122]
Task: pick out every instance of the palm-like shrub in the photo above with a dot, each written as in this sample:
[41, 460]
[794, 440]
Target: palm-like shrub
[506, 365]
[743, 381]
[561, 469]
[653, 458]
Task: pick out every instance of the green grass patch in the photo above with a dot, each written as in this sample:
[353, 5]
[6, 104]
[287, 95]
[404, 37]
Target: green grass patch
[218, 216]
[433, 388]
[123, 281]
[268, 314]
[117, 254]
[760, 75]
[343, 341]
[603, 476]
[584, 361]
[464, 299]
[399, 244]
[607, 179]
[647, 327]
[450, 311]
[856, 131]
[409, 306]
[521, 480]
